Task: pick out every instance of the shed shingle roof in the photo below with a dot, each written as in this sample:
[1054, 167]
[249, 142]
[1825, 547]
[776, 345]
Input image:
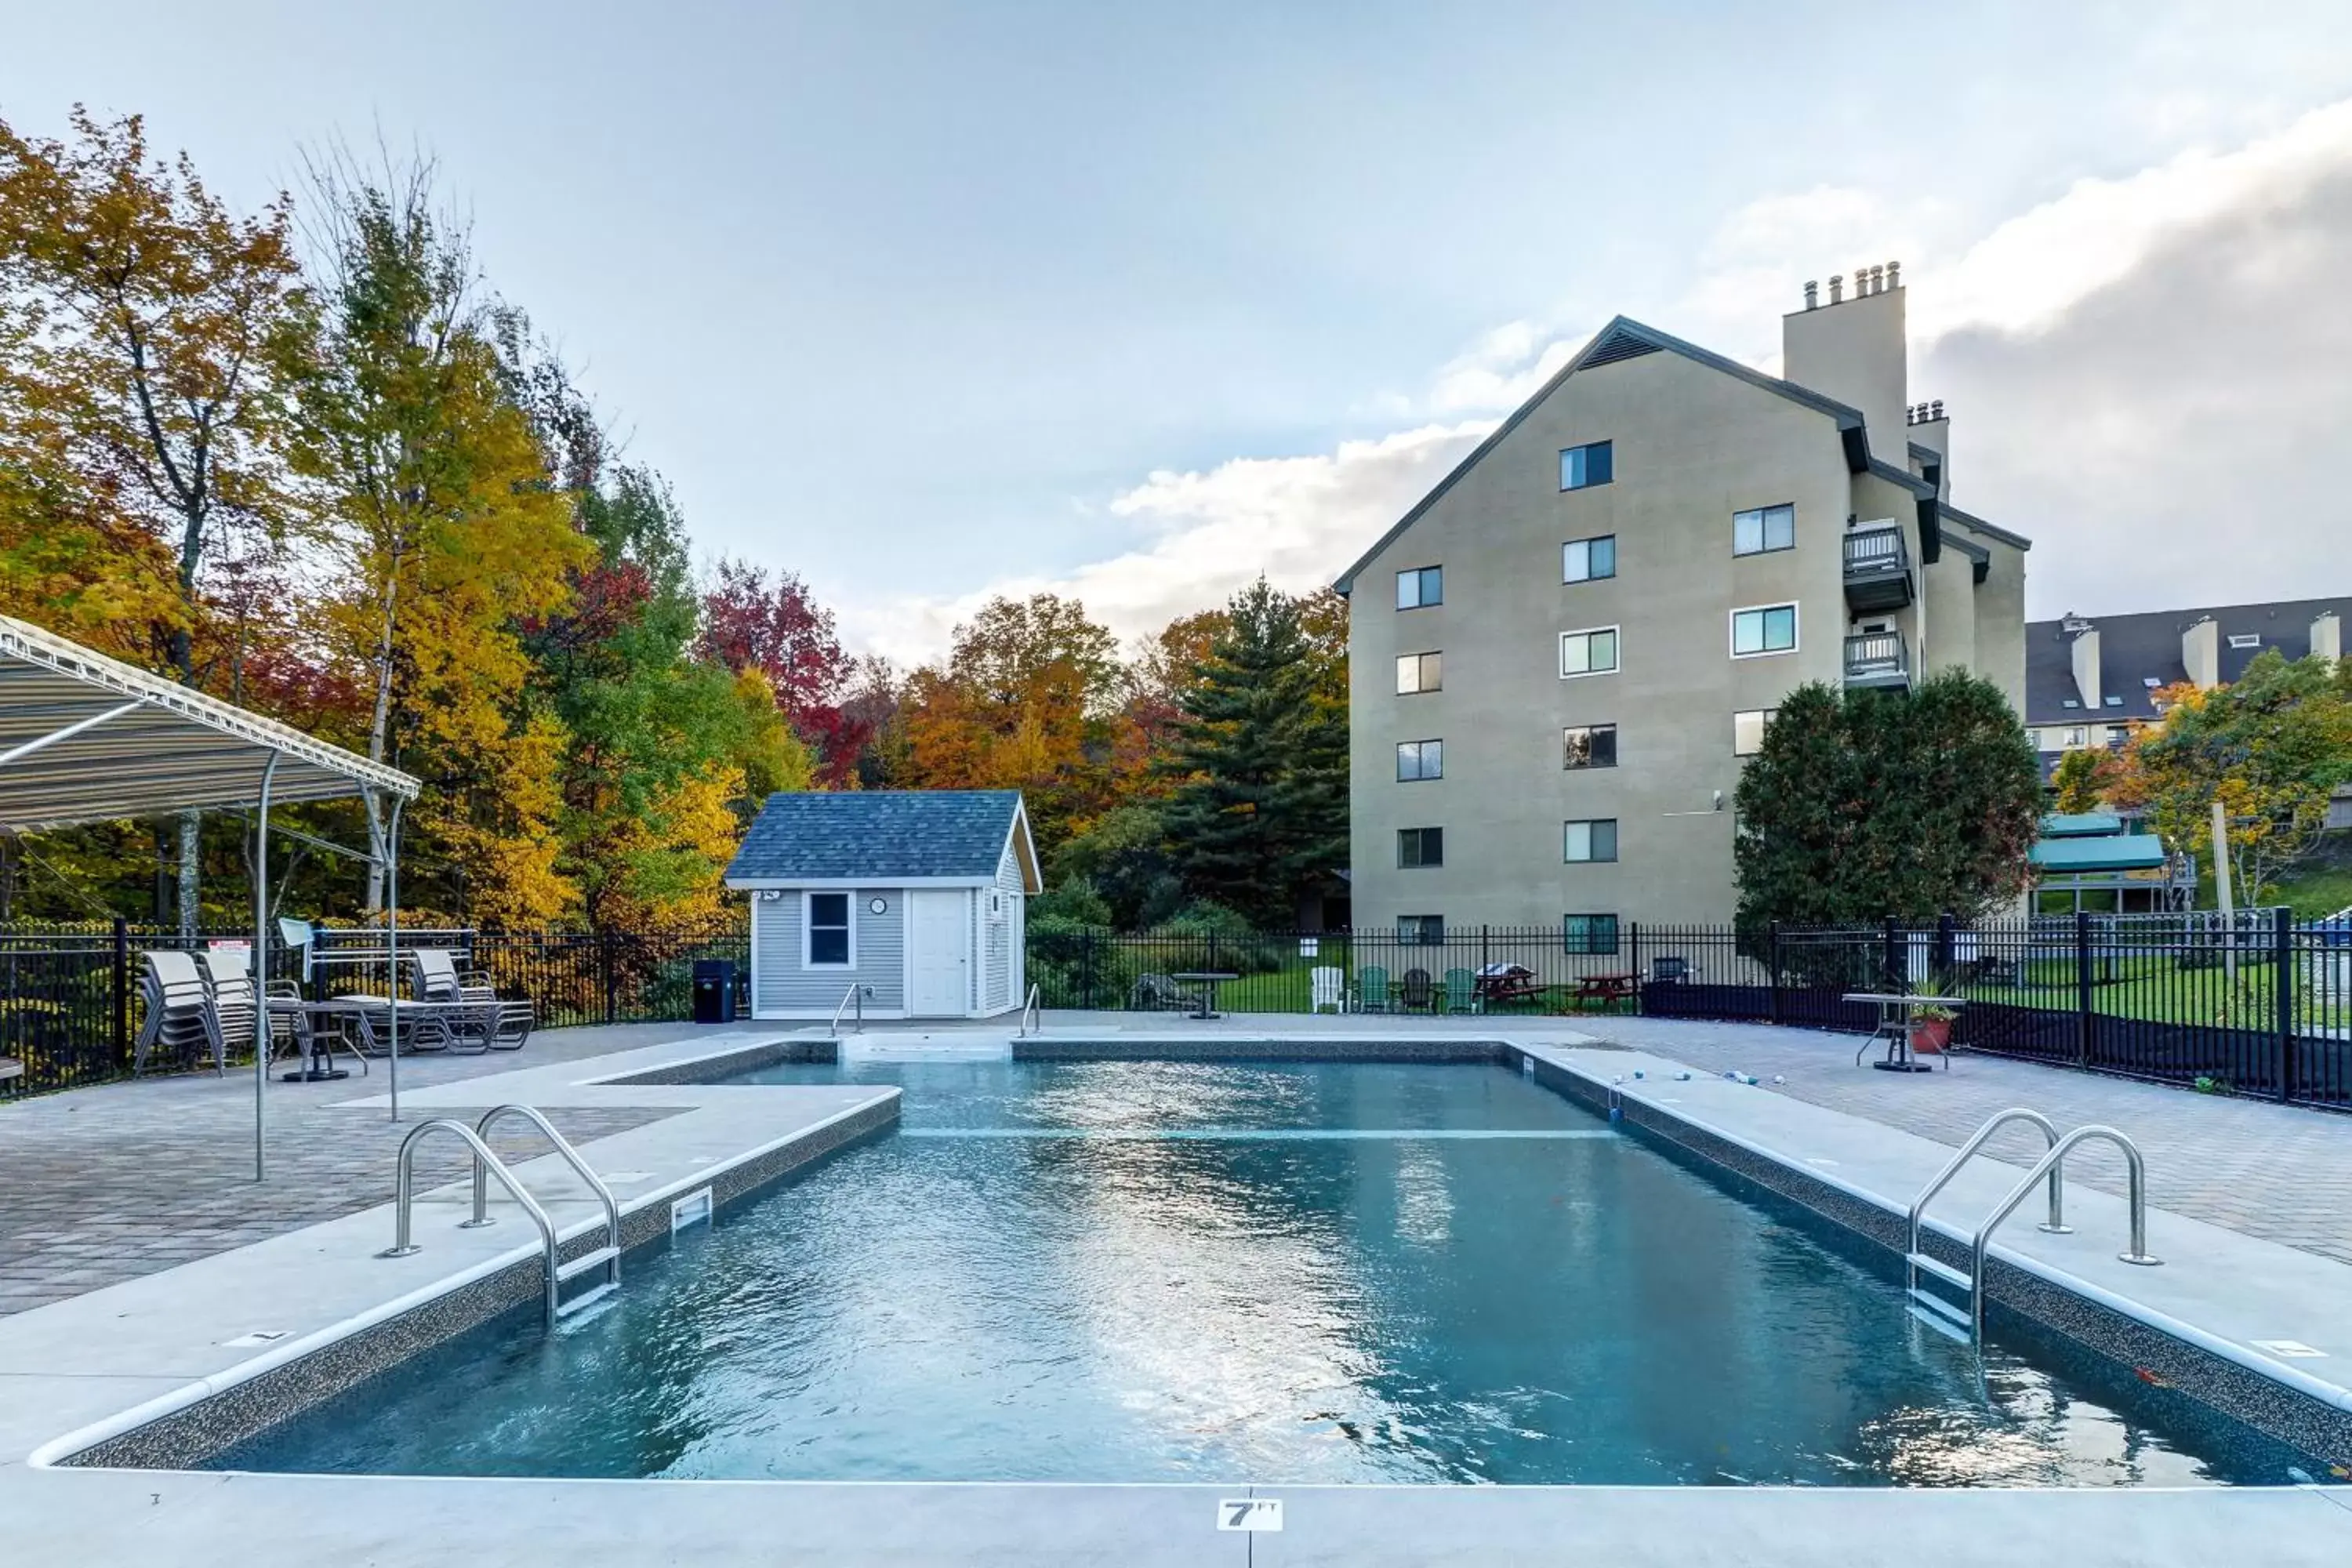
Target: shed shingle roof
[878, 835]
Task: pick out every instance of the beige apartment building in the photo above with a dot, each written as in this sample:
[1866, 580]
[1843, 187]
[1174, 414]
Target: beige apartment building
[1560, 654]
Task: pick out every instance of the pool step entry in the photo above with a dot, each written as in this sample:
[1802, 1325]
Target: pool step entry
[1964, 1321]
[949, 1045]
[487, 1165]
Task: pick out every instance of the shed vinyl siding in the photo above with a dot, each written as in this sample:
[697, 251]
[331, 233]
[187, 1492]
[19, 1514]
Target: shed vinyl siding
[1000, 938]
[785, 987]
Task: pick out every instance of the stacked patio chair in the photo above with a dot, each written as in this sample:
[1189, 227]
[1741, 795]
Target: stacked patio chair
[484, 1021]
[230, 986]
[180, 1018]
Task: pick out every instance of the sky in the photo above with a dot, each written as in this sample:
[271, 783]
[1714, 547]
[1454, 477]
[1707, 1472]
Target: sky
[1138, 301]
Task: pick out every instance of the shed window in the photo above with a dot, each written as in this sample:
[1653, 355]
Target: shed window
[829, 943]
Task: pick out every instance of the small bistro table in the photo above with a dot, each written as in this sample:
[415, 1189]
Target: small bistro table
[1895, 1014]
[1206, 999]
[337, 1014]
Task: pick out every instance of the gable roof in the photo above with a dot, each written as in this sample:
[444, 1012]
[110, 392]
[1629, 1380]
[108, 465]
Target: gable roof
[885, 837]
[2136, 649]
[1622, 339]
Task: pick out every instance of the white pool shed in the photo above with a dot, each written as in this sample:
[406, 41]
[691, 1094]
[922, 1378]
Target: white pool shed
[918, 895]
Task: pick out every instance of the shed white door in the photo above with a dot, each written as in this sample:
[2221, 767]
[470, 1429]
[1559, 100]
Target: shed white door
[939, 941]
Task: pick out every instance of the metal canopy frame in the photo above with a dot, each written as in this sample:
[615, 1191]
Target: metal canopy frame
[85, 739]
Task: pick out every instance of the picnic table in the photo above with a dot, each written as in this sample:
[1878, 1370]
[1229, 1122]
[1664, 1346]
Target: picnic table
[1896, 1012]
[1607, 988]
[1508, 983]
[1205, 998]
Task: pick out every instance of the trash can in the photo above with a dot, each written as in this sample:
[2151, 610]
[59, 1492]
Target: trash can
[714, 990]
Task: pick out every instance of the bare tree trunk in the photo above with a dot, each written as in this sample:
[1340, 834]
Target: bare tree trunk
[380, 733]
[191, 843]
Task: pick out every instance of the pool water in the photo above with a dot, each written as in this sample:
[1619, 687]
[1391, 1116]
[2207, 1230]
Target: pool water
[1279, 1273]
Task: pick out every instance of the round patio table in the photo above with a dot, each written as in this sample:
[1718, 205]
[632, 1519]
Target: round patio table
[1208, 981]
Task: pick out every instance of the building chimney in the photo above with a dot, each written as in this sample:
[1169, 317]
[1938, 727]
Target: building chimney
[1855, 354]
[2327, 635]
[1895, 275]
[1813, 293]
[2201, 653]
[2085, 653]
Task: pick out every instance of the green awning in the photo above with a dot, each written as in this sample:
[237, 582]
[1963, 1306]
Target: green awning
[2113, 852]
[2082, 825]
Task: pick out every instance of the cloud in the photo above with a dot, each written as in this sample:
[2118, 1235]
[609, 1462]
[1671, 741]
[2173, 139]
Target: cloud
[1298, 520]
[2148, 375]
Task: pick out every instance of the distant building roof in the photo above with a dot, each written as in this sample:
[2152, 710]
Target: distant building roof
[2139, 648]
[885, 837]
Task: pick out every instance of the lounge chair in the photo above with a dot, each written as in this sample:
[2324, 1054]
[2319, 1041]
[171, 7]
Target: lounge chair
[1462, 992]
[439, 979]
[1371, 989]
[180, 1016]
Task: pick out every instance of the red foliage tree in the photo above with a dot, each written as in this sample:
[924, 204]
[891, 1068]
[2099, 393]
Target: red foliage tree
[783, 632]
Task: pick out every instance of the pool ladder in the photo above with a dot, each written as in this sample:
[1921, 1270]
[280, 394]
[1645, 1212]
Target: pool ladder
[1964, 1321]
[605, 1257]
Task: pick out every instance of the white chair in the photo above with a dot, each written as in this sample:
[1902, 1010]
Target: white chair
[180, 1016]
[230, 984]
[496, 1024]
[1327, 987]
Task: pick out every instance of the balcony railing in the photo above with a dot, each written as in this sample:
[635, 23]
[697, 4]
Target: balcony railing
[1878, 658]
[1877, 570]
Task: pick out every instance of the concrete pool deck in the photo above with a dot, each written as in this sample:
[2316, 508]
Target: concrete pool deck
[94, 1357]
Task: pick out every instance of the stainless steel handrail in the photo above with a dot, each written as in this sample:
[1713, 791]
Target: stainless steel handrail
[2136, 1187]
[404, 1183]
[1032, 1009]
[2056, 1224]
[855, 995]
[571, 1157]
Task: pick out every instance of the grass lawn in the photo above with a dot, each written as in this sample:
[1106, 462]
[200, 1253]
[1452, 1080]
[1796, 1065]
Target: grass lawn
[2155, 987]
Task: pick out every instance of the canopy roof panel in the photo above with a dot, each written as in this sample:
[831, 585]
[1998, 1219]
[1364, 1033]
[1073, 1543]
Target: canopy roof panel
[85, 738]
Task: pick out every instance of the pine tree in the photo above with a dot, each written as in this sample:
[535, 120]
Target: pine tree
[1262, 806]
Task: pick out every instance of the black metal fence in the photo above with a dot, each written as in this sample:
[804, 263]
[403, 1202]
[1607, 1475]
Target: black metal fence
[69, 995]
[2256, 1006]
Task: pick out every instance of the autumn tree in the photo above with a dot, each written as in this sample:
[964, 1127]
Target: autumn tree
[791, 639]
[147, 320]
[2084, 778]
[1259, 810]
[2270, 747]
[445, 533]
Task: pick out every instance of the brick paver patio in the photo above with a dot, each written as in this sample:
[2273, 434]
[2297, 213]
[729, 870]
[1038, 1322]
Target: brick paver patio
[106, 1184]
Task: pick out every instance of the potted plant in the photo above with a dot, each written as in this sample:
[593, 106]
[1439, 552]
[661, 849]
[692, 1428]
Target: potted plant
[1931, 1029]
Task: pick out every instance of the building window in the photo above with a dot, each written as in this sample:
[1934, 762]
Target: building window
[1420, 847]
[2070, 740]
[2112, 702]
[1589, 933]
[1420, 672]
[1589, 746]
[1581, 467]
[1420, 930]
[1768, 629]
[830, 942]
[2246, 639]
[1766, 528]
[1592, 652]
[1589, 560]
[1584, 841]
[1422, 586]
[1747, 730]
[1419, 760]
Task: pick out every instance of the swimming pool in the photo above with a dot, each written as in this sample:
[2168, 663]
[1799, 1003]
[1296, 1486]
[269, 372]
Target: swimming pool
[1280, 1272]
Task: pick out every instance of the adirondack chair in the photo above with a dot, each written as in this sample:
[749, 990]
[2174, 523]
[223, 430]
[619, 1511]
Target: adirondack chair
[230, 984]
[180, 1016]
[1371, 989]
[1462, 992]
[1417, 990]
[1327, 987]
